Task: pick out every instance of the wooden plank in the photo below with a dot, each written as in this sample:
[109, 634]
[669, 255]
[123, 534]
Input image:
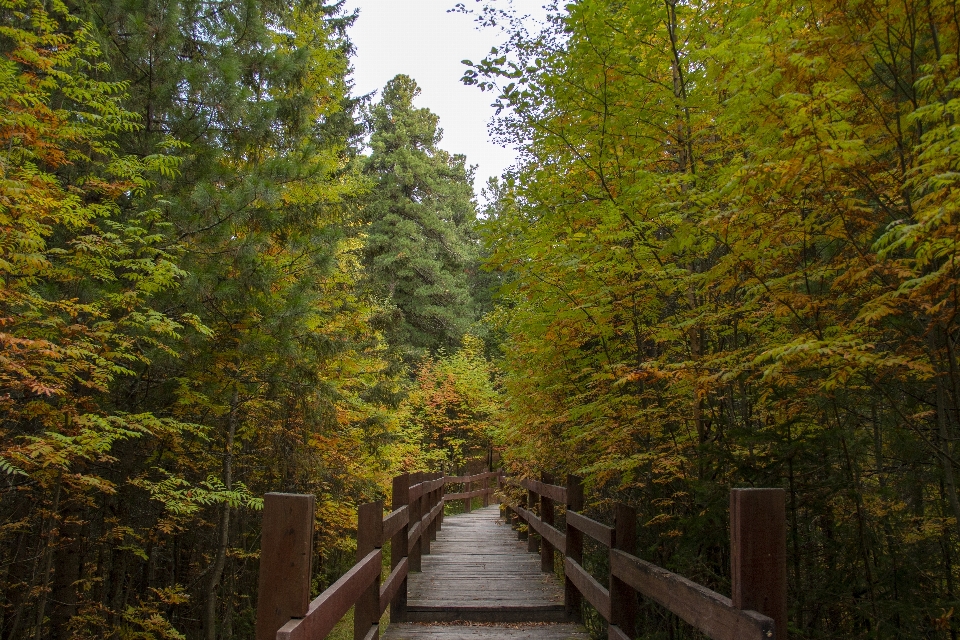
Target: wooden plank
[552, 491]
[593, 591]
[285, 558]
[479, 572]
[373, 633]
[392, 584]
[706, 610]
[394, 521]
[327, 609]
[550, 534]
[596, 530]
[758, 553]
[615, 633]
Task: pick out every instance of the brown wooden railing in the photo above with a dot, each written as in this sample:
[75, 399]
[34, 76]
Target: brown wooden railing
[284, 609]
[284, 612]
[757, 610]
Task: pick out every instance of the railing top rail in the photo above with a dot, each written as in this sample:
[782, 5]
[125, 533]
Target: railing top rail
[598, 531]
[705, 609]
[552, 491]
[475, 477]
[394, 521]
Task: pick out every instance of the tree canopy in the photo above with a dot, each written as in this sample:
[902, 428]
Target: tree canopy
[726, 257]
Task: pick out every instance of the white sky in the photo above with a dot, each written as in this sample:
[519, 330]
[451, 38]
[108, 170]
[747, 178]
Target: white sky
[419, 38]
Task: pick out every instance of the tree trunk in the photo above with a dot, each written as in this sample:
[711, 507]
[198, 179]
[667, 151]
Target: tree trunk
[67, 565]
[224, 529]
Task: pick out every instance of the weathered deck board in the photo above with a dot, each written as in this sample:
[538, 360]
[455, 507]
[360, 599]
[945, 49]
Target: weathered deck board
[413, 631]
[478, 571]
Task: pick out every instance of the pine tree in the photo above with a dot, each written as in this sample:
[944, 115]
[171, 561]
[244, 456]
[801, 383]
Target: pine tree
[421, 213]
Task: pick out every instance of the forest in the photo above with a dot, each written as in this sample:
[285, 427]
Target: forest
[726, 257]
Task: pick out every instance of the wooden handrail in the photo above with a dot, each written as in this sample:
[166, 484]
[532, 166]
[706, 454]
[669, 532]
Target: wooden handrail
[479, 493]
[553, 536]
[707, 610]
[396, 520]
[595, 593]
[758, 564]
[390, 587]
[473, 478]
[599, 532]
[284, 609]
[551, 491]
[325, 612]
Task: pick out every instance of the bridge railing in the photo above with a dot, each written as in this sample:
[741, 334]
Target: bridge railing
[478, 485]
[757, 610]
[284, 609]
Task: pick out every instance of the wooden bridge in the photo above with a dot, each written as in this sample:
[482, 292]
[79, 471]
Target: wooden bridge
[490, 573]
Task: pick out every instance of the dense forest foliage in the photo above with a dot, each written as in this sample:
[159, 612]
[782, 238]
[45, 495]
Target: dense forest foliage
[197, 306]
[726, 257]
[731, 249]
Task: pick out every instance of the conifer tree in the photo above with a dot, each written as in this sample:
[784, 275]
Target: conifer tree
[421, 213]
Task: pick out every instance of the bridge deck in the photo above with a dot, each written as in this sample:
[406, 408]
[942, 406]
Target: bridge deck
[478, 571]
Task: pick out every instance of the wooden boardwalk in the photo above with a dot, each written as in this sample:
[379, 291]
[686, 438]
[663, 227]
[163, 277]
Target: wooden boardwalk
[478, 572]
[471, 579]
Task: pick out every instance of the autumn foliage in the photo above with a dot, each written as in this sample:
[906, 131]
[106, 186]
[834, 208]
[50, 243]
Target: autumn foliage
[732, 249]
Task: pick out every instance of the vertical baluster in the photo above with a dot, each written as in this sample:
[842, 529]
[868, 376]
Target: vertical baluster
[366, 613]
[532, 545]
[399, 545]
[758, 553]
[572, 600]
[415, 516]
[546, 515]
[623, 600]
[425, 513]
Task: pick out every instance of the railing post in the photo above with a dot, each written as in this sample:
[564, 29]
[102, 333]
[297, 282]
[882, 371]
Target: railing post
[443, 491]
[521, 534]
[416, 514]
[758, 553]
[572, 599]
[532, 545]
[434, 495]
[398, 545]
[467, 486]
[485, 484]
[286, 552]
[437, 500]
[623, 600]
[546, 515]
[425, 506]
[366, 613]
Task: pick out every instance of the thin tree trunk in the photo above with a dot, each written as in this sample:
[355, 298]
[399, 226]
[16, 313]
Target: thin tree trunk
[948, 475]
[48, 564]
[224, 530]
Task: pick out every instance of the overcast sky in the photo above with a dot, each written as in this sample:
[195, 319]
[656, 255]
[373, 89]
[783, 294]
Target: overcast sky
[419, 38]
